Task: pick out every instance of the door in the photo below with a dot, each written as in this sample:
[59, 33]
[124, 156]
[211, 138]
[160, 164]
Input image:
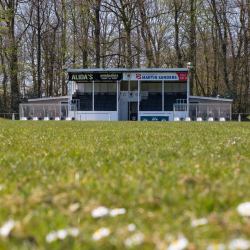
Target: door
[133, 109]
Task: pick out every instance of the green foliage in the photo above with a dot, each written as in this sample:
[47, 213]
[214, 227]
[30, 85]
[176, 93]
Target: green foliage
[165, 174]
[245, 118]
[28, 95]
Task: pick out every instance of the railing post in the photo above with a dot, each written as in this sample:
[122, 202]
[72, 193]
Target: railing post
[239, 118]
[13, 117]
[109, 116]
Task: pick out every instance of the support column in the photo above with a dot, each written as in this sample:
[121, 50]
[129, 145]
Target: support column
[162, 92]
[93, 96]
[230, 112]
[117, 96]
[188, 93]
[138, 101]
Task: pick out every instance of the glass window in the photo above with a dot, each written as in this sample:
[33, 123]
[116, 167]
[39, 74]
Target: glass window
[151, 96]
[105, 96]
[124, 86]
[133, 86]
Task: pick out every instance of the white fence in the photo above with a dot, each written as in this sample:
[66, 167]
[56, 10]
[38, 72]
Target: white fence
[203, 111]
[46, 111]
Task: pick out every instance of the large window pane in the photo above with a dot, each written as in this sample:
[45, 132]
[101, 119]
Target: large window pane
[105, 96]
[151, 96]
[174, 92]
[83, 96]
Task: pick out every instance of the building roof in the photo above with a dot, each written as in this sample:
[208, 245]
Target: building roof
[124, 70]
[47, 98]
[211, 98]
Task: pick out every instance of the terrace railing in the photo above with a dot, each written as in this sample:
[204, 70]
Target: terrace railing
[203, 111]
[46, 111]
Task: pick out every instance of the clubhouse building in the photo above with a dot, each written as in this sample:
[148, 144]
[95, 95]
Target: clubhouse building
[131, 95]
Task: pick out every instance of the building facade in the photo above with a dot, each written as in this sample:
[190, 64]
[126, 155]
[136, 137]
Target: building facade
[127, 94]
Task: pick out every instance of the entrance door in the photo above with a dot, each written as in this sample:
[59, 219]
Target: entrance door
[132, 111]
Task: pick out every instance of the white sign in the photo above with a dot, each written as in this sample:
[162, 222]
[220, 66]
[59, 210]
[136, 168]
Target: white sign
[155, 76]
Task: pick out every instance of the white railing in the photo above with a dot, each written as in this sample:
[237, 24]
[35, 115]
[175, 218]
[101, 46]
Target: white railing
[94, 113]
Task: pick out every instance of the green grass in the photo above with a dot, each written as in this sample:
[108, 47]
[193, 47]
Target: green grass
[165, 174]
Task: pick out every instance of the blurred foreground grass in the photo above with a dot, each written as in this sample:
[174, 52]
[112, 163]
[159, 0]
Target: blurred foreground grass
[164, 174]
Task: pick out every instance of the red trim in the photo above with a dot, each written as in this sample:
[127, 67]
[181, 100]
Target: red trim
[182, 76]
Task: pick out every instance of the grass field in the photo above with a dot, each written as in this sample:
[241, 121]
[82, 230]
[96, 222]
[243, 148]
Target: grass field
[165, 174]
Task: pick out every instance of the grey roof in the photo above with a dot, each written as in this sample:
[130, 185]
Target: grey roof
[123, 70]
[211, 98]
[47, 98]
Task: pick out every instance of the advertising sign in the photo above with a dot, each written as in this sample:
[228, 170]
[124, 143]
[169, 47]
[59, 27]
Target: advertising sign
[155, 118]
[81, 77]
[87, 77]
[168, 76]
[108, 76]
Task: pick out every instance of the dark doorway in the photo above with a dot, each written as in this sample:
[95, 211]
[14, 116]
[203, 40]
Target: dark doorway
[132, 111]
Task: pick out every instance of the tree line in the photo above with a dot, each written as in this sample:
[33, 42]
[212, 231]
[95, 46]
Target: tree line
[39, 37]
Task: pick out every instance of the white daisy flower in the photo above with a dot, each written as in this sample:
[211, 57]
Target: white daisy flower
[7, 227]
[52, 236]
[200, 222]
[239, 244]
[1, 187]
[100, 233]
[72, 231]
[179, 244]
[162, 245]
[244, 209]
[61, 234]
[134, 240]
[216, 247]
[117, 211]
[74, 207]
[99, 212]
[131, 227]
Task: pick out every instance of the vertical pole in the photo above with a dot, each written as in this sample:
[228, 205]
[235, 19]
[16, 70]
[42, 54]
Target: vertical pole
[230, 112]
[70, 90]
[20, 112]
[129, 101]
[93, 96]
[117, 84]
[162, 92]
[196, 111]
[129, 111]
[13, 117]
[138, 100]
[188, 93]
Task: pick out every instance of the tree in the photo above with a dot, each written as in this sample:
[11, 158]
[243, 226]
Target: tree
[15, 35]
